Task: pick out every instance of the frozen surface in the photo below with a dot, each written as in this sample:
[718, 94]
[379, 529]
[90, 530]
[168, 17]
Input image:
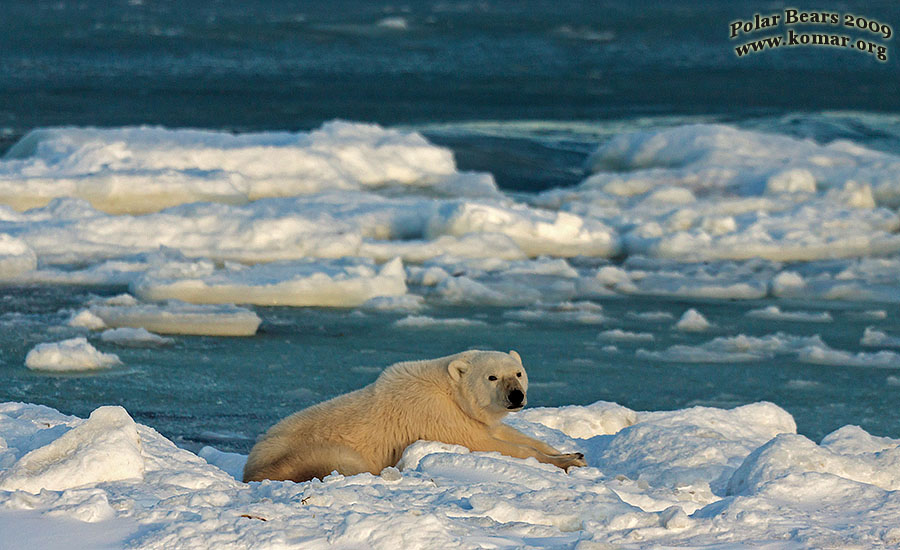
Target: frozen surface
[16, 257]
[357, 246]
[147, 169]
[694, 211]
[172, 317]
[875, 338]
[75, 354]
[127, 336]
[740, 348]
[691, 477]
[774, 313]
[345, 283]
[692, 321]
[105, 447]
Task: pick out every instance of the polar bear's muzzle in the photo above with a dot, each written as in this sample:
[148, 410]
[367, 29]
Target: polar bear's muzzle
[516, 399]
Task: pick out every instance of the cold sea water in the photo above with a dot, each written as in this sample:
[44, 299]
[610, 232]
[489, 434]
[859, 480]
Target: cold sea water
[760, 191]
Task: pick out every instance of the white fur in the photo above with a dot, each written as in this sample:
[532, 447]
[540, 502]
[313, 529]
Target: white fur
[450, 399]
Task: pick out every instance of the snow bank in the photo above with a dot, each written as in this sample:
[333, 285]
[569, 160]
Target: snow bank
[791, 455]
[173, 317]
[581, 422]
[105, 447]
[75, 354]
[698, 477]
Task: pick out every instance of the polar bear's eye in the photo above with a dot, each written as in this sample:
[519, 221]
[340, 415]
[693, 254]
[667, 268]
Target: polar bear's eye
[492, 378]
[518, 375]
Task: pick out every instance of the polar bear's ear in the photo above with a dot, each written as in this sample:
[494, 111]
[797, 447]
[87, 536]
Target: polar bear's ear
[515, 355]
[457, 368]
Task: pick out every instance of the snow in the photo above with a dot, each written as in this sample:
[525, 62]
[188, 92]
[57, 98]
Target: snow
[353, 215]
[105, 447]
[72, 355]
[697, 477]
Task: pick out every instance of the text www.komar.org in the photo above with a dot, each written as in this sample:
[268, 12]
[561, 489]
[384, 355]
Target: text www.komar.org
[794, 38]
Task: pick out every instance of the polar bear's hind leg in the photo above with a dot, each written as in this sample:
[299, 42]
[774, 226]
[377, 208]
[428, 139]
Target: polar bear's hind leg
[318, 460]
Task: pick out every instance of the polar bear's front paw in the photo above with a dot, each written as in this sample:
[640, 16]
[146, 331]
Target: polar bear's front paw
[569, 460]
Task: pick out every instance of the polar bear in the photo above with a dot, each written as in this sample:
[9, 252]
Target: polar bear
[458, 399]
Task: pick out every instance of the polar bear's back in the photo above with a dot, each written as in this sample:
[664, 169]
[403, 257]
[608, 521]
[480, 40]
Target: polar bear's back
[373, 425]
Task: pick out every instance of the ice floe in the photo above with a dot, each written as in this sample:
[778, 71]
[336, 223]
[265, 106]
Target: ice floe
[774, 313]
[626, 336]
[72, 355]
[172, 317]
[16, 256]
[693, 321]
[424, 321]
[694, 211]
[740, 348]
[347, 282]
[145, 169]
[136, 337]
[823, 355]
[878, 339]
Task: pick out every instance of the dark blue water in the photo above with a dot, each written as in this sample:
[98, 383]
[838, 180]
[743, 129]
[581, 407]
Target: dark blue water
[224, 391]
[263, 64]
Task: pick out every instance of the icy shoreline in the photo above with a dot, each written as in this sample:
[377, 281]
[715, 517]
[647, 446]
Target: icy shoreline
[698, 477]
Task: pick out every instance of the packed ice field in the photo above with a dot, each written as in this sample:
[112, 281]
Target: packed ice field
[685, 247]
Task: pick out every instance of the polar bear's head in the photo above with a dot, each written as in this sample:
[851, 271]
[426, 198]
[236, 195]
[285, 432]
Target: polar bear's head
[489, 384]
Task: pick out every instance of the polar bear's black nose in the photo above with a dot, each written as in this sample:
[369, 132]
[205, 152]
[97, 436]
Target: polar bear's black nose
[515, 398]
